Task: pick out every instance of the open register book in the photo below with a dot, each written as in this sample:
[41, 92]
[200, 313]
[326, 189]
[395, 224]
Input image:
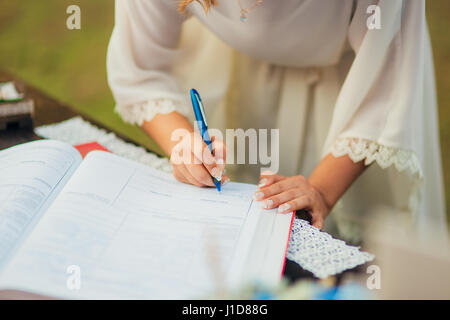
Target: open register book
[107, 227]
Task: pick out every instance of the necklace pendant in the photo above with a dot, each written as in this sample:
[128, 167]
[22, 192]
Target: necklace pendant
[244, 12]
[243, 17]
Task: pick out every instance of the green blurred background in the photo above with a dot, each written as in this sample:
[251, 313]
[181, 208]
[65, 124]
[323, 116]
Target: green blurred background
[36, 46]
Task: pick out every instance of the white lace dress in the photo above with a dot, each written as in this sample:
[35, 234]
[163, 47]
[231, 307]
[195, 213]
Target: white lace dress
[314, 70]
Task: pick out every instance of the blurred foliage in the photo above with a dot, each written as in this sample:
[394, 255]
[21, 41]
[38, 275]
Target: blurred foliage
[438, 15]
[70, 65]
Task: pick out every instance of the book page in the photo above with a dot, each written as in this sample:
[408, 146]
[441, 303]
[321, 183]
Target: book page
[130, 231]
[30, 176]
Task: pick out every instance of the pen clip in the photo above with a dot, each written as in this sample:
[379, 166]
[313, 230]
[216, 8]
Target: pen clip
[200, 106]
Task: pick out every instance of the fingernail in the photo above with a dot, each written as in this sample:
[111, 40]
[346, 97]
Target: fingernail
[225, 181]
[220, 161]
[268, 204]
[267, 173]
[284, 207]
[216, 174]
[262, 183]
[258, 196]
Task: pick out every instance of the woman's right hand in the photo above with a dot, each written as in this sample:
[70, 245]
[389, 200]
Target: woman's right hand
[193, 162]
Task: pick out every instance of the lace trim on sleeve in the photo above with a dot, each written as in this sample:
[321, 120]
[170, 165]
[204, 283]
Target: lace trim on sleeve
[146, 111]
[359, 149]
[404, 160]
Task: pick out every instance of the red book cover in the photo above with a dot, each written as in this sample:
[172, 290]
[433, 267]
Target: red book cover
[85, 148]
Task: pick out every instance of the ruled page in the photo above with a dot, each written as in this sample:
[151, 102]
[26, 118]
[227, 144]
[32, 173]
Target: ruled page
[134, 232]
[30, 176]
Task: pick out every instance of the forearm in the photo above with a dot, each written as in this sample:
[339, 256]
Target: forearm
[161, 127]
[333, 176]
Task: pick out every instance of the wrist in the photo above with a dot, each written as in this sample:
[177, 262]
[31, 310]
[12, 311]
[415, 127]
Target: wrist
[167, 129]
[328, 202]
[333, 176]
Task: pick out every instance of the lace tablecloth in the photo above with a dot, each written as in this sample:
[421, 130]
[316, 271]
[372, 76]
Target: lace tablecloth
[314, 250]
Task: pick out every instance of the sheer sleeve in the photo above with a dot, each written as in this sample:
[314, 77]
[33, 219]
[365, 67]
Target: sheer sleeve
[379, 111]
[386, 111]
[141, 53]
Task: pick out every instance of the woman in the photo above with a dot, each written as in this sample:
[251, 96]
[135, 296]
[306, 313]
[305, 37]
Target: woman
[348, 83]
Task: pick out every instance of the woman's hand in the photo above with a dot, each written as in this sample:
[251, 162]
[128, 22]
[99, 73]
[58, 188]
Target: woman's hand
[193, 162]
[290, 194]
[190, 157]
[317, 194]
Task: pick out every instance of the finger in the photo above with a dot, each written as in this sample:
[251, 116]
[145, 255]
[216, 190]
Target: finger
[198, 149]
[268, 177]
[225, 180]
[183, 170]
[182, 177]
[203, 155]
[219, 148]
[298, 203]
[176, 156]
[220, 153]
[280, 186]
[280, 199]
[317, 220]
[199, 173]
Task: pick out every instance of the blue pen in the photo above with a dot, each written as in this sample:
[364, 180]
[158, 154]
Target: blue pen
[199, 113]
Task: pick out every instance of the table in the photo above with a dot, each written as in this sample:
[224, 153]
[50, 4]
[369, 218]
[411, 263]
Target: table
[49, 110]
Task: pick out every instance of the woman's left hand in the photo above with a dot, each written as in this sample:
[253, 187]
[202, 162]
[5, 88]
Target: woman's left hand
[290, 194]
